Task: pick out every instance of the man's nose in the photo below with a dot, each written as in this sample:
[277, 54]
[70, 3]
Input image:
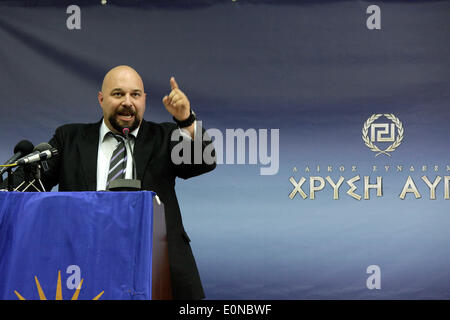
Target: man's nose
[127, 100]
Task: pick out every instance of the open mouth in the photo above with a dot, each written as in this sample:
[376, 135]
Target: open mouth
[126, 115]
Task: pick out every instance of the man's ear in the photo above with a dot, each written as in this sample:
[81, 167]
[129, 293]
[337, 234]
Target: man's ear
[100, 98]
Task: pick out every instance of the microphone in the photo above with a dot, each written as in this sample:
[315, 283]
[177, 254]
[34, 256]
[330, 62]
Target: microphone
[42, 151]
[125, 132]
[23, 148]
[40, 147]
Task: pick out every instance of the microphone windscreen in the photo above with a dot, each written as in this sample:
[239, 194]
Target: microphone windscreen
[42, 147]
[25, 147]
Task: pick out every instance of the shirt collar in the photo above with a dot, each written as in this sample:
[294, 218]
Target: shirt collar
[104, 131]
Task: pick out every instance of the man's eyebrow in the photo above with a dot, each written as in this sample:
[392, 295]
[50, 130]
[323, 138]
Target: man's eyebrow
[120, 89]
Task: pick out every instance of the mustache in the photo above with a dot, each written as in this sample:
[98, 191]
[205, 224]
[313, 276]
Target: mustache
[126, 111]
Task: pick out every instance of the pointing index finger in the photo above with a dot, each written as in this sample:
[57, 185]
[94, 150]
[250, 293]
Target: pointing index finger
[173, 83]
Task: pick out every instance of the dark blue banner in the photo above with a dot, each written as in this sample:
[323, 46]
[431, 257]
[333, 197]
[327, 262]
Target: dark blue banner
[71, 245]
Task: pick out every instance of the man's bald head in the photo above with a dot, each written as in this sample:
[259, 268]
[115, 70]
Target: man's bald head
[122, 98]
[123, 72]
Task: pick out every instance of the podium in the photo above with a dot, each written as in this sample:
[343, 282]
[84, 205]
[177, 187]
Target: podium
[82, 246]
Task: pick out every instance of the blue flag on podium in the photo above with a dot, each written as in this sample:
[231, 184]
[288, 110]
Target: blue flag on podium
[76, 245]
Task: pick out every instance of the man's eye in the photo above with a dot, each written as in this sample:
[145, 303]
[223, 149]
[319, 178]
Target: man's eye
[136, 94]
[117, 94]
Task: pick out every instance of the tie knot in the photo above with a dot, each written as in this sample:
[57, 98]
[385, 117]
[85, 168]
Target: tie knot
[118, 137]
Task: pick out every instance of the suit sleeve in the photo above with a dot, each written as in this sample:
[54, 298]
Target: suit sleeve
[50, 178]
[192, 157]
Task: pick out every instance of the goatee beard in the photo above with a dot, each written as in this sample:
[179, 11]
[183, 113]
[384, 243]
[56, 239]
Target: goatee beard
[115, 124]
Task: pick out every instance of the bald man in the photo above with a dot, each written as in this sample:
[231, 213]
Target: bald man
[86, 150]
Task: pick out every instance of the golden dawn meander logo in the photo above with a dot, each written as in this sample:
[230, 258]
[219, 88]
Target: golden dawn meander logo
[382, 132]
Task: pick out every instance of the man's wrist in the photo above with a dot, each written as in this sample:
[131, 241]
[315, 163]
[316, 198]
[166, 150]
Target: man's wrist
[187, 122]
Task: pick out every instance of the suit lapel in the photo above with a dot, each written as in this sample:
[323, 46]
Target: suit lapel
[88, 150]
[143, 148]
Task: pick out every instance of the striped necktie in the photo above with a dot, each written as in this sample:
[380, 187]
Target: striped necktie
[118, 162]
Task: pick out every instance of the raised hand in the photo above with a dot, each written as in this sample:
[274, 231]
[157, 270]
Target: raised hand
[176, 102]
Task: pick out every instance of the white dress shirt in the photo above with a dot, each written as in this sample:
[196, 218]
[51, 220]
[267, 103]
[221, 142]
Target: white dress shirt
[106, 146]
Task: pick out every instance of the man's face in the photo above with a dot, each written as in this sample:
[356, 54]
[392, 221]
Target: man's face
[122, 99]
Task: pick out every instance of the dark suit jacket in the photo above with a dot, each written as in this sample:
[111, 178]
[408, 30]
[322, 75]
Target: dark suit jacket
[76, 170]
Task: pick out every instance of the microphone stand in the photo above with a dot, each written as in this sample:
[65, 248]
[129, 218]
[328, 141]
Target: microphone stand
[10, 179]
[37, 178]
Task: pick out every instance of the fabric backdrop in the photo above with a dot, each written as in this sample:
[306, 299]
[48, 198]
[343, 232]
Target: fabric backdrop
[313, 70]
